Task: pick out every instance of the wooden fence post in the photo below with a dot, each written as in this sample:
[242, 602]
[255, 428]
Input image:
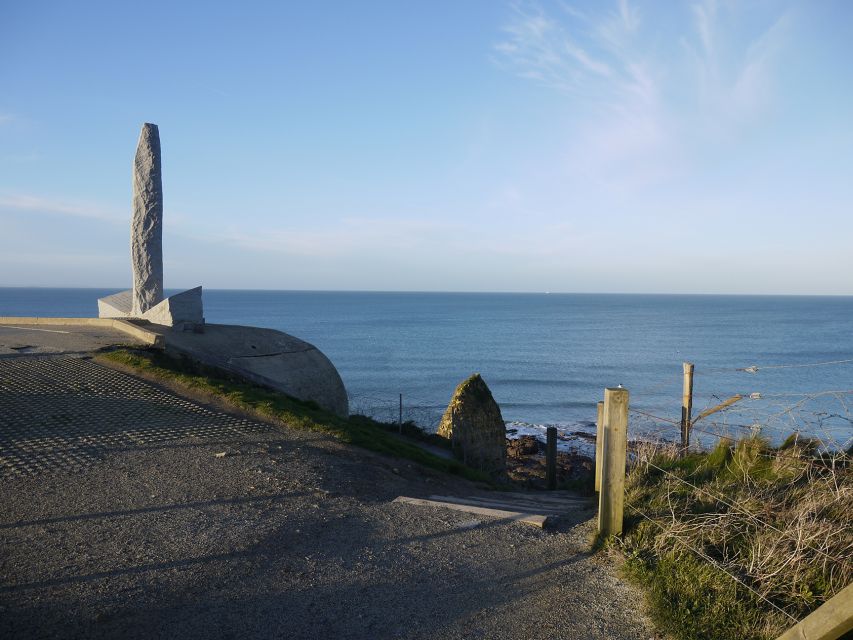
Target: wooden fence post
[551, 459]
[611, 498]
[400, 421]
[830, 621]
[686, 406]
[599, 444]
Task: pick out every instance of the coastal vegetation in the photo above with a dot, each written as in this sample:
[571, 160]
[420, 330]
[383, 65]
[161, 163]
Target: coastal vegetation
[741, 541]
[214, 385]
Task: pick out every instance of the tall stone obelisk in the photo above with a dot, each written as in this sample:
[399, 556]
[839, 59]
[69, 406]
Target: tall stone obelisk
[146, 227]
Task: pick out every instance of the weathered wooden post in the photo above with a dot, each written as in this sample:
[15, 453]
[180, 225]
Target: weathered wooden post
[830, 621]
[599, 444]
[551, 459]
[686, 406]
[400, 421]
[611, 498]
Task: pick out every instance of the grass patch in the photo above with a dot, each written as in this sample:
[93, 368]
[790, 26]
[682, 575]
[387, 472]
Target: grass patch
[270, 405]
[413, 431]
[691, 599]
[776, 518]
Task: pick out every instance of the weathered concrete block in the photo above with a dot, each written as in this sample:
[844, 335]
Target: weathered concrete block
[118, 305]
[146, 229]
[182, 308]
[475, 426]
[268, 357]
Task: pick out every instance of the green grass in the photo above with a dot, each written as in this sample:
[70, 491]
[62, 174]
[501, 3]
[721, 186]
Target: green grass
[691, 599]
[360, 431]
[748, 507]
[413, 431]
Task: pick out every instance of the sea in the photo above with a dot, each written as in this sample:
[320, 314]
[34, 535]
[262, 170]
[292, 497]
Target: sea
[547, 357]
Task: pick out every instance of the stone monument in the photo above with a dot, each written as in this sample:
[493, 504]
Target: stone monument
[146, 225]
[145, 299]
[264, 356]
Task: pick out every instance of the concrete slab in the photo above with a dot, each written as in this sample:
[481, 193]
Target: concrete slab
[183, 308]
[23, 339]
[118, 305]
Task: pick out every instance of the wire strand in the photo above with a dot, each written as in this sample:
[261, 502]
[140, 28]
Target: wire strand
[756, 369]
[710, 560]
[752, 516]
[651, 415]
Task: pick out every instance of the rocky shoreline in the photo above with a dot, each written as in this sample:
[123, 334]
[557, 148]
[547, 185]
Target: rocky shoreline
[526, 466]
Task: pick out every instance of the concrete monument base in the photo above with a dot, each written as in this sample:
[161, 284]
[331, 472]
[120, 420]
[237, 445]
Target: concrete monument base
[183, 310]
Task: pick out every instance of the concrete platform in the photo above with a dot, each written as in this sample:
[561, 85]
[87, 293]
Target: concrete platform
[27, 339]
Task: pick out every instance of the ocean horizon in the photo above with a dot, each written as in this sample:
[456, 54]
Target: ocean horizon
[547, 357]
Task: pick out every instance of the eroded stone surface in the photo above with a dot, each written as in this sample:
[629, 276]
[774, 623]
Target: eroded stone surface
[146, 230]
[474, 424]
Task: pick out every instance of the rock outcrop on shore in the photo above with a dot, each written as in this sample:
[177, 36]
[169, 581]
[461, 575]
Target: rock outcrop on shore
[474, 425]
[525, 464]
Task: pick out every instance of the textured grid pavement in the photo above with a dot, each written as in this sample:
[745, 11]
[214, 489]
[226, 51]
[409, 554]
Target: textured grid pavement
[60, 414]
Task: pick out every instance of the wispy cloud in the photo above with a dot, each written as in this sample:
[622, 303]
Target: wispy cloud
[640, 108]
[629, 15]
[349, 236]
[176, 222]
[539, 47]
[705, 16]
[733, 80]
[58, 259]
[41, 205]
[751, 89]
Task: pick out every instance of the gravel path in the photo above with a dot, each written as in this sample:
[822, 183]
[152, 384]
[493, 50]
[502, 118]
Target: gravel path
[155, 533]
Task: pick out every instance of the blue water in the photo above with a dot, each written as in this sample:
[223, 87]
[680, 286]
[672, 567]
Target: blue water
[548, 357]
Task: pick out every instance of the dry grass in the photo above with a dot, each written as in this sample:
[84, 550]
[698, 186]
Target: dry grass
[740, 541]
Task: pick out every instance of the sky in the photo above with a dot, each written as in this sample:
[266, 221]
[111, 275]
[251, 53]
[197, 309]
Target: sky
[606, 146]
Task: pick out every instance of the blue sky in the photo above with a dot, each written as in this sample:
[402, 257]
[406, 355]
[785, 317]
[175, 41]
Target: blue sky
[624, 146]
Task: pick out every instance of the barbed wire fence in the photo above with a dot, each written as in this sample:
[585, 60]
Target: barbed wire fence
[818, 428]
[404, 407]
[824, 416]
[794, 530]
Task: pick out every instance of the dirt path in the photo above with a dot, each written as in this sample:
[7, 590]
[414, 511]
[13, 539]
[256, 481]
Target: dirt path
[119, 517]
